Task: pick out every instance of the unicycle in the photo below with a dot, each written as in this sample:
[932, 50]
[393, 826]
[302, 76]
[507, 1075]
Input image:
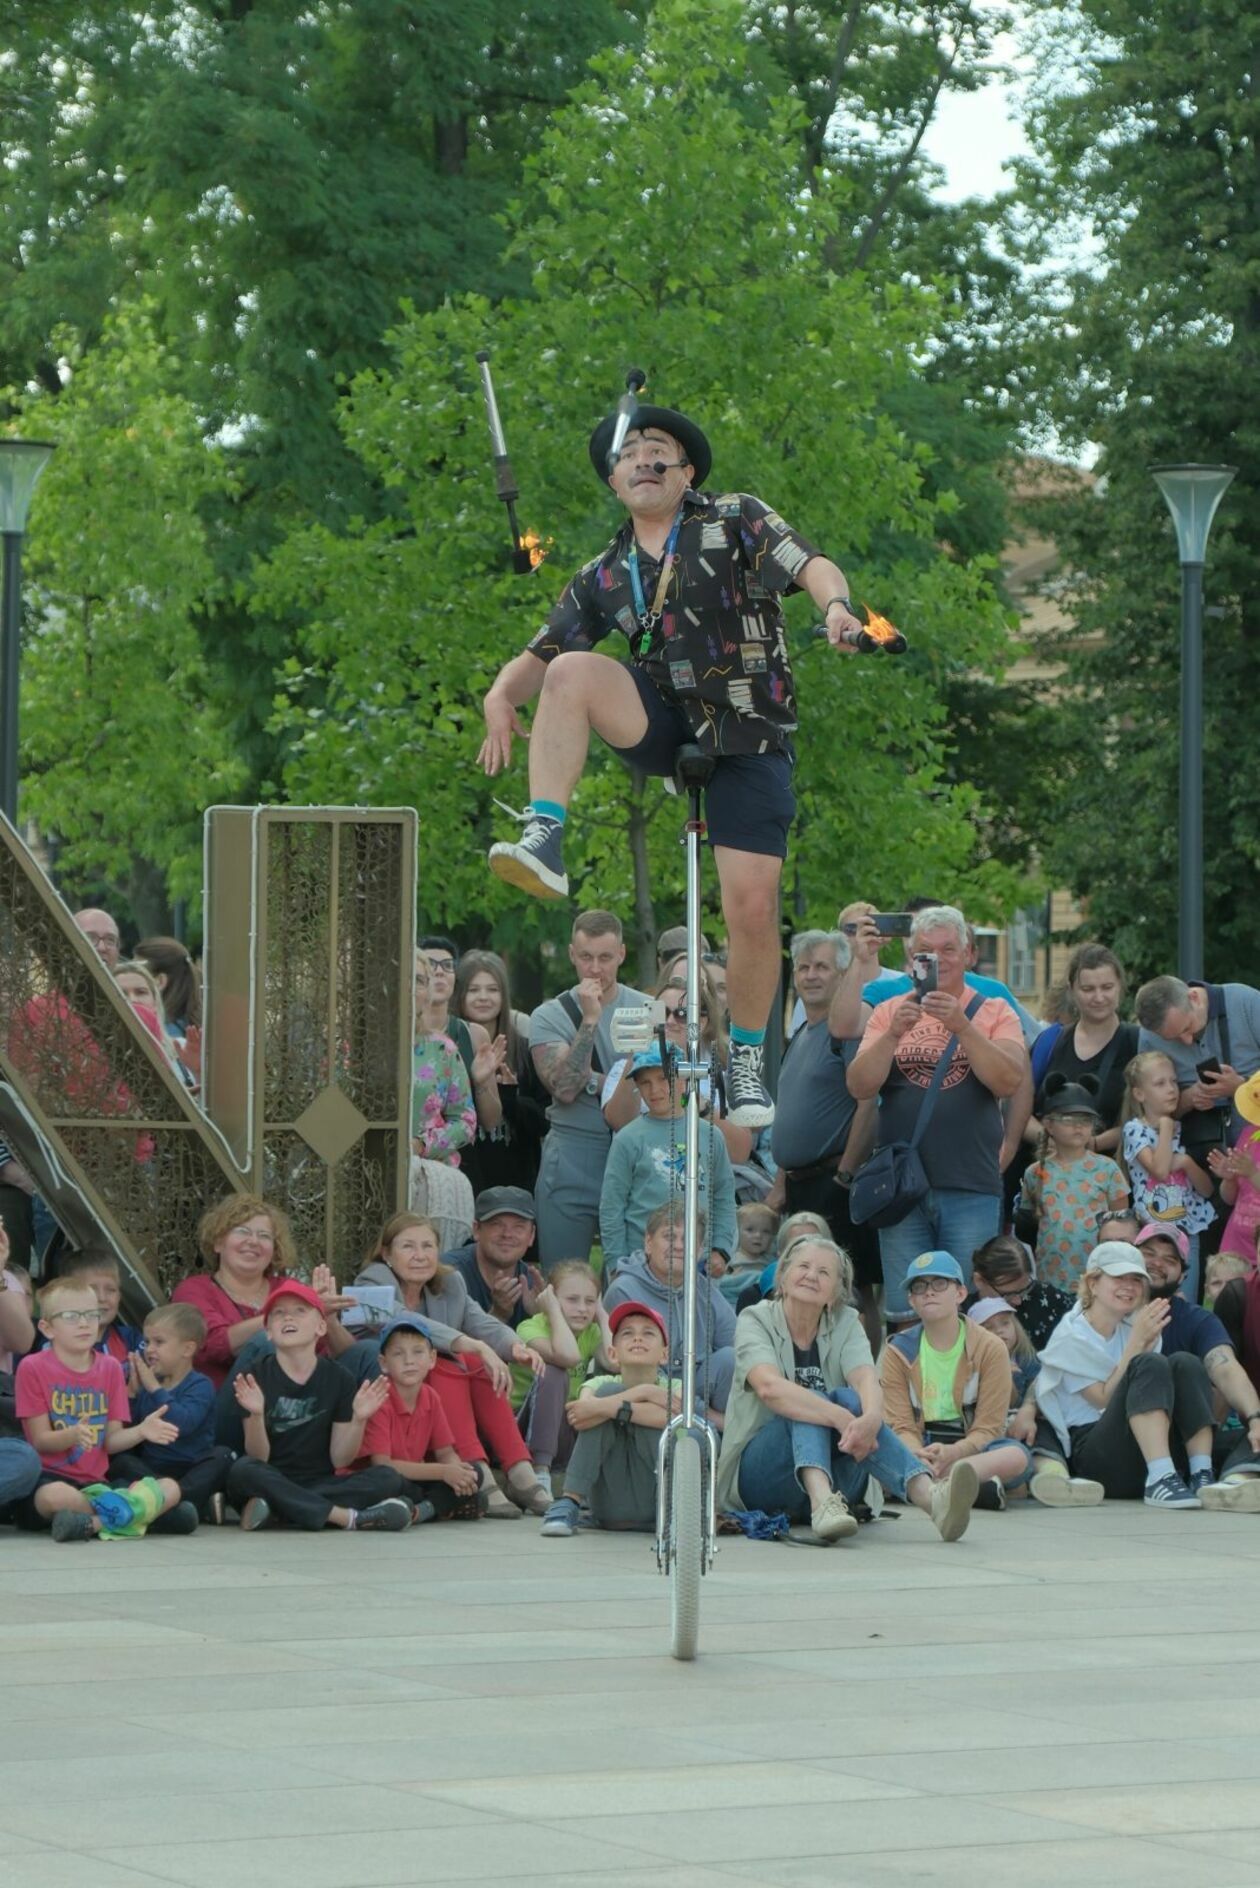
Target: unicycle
[686, 1521]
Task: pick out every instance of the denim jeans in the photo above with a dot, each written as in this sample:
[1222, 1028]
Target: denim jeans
[770, 1466]
[945, 1220]
[19, 1470]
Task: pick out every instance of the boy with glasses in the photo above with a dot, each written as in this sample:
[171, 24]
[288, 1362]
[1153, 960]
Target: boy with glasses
[947, 1384]
[72, 1402]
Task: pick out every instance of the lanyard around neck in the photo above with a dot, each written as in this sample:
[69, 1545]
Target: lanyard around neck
[648, 619]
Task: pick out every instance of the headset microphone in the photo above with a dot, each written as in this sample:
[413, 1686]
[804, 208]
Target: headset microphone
[658, 465]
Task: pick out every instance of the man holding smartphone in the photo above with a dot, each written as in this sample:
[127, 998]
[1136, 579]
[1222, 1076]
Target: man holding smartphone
[902, 1045]
[1211, 1034]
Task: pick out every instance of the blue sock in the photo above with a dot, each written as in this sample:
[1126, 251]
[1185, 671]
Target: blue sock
[1156, 1470]
[1200, 1462]
[549, 809]
[753, 1037]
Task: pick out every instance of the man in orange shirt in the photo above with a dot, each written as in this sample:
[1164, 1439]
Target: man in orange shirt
[901, 1048]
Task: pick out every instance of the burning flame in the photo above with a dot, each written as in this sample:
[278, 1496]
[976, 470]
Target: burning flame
[535, 545]
[878, 627]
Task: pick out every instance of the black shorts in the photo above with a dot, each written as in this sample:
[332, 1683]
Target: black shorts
[749, 804]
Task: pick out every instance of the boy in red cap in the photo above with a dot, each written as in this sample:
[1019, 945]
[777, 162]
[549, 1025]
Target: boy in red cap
[304, 1420]
[618, 1419]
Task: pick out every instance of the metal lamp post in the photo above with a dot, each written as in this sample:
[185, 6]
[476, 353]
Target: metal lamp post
[21, 462]
[1192, 493]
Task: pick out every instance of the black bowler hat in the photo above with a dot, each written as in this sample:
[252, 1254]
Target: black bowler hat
[665, 420]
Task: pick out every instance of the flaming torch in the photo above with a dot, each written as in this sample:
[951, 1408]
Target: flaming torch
[526, 556]
[879, 637]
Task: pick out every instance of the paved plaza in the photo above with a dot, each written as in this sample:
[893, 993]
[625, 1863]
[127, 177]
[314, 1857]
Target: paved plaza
[1059, 1698]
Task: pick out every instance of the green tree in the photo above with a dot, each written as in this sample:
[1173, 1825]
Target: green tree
[123, 740]
[1146, 132]
[698, 256]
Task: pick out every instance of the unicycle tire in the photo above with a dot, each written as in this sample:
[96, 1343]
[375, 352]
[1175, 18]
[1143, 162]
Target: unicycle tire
[686, 1531]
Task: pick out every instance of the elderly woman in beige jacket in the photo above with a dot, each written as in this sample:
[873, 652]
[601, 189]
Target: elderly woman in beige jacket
[805, 1432]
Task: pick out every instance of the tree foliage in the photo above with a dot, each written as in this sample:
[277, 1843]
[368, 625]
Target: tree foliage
[124, 741]
[1146, 131]
[700, 257]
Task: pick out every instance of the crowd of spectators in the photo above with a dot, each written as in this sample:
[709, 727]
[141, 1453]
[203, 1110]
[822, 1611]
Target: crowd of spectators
[1063, 1308]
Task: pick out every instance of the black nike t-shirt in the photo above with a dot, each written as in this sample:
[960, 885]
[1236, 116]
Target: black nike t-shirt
[300, 1416]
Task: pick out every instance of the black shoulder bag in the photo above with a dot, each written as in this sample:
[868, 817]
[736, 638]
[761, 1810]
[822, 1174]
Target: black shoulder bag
[892, 1181]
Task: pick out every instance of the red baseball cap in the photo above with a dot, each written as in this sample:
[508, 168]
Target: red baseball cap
[292, 1288]
[634, 1309]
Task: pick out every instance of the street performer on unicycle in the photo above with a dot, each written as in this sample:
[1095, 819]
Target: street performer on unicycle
[694, 583]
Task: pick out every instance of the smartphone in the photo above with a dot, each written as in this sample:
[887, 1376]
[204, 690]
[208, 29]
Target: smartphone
[923, 968]
[893, 923]
[1210, 1065]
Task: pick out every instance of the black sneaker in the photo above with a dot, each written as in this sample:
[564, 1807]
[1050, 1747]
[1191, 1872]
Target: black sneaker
[1170, 1492]
[748, 1103]
[180, 1520]
[255, 1514]
[533, 863]
[992, 1496]
[1200, 1479]
[390, 1516]
[69, 1526]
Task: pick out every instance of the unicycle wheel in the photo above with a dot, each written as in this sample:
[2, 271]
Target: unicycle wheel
[686, 1534]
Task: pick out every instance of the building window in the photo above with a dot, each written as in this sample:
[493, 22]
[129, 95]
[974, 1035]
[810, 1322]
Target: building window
[1024, 936]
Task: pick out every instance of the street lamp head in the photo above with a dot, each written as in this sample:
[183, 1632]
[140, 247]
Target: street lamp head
[1192, 493]
[21, 462]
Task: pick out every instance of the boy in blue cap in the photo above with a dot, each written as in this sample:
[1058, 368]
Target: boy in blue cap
[947, 1384]
[646, 1164]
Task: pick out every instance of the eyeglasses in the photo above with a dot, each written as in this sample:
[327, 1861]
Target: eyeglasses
[75, 1317]
[926, 1286]
[445, 964]
[680, 1014]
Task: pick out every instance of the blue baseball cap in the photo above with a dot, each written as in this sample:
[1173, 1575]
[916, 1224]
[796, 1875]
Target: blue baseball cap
[935, 1265]
[647, 1059]
[408, 1321]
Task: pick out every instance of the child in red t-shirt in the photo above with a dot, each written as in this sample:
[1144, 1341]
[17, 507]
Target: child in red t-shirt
[72, 1403]
[410, 1433]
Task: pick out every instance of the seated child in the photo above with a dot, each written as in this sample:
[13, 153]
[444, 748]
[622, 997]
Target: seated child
[162, 1377]
[567, 1330]
[304, 1420]
[1220, 1270]
[618, 1420]
[757, 1226]
[1051, 1484]
[409, 1432]
[73, 1405]
[116, 1338]
[947, 1384]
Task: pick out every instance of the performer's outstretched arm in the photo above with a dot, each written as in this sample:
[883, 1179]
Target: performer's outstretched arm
[517, 682]
[825, 583]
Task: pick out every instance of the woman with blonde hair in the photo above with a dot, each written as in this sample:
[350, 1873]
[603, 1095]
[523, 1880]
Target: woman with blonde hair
[805, 1433]
[1126, 1416]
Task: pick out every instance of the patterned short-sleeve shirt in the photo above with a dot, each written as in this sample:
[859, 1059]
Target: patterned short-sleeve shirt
[718, 649]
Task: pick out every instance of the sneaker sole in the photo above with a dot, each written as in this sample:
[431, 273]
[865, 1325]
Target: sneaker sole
[1232, 1497]
[1058, 1491]
[255, 1514]
[556, 1531]
[527, 875]
[752, 1115]
[964, 1486]
[1193, 1502]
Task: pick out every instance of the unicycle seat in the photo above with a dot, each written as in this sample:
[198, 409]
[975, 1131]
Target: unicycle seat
[693, 769]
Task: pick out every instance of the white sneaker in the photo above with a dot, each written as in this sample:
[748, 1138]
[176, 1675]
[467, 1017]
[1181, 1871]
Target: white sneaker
[1241, 1497]
[831, 1519]
[1065, 1491]
[953, 1500]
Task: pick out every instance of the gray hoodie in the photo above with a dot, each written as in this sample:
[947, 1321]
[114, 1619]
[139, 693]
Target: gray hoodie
[447, 1307]
[715, 1322]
